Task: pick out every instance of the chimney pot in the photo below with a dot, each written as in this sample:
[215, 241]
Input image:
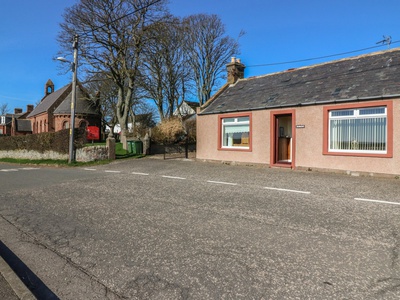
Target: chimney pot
[235, 70]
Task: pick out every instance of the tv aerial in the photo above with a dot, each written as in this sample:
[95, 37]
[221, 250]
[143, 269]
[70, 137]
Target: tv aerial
[386, 40]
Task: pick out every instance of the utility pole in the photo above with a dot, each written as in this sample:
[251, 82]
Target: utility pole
[74, 66]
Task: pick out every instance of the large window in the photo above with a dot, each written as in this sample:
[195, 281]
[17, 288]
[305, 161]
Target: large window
[359, 130]
[235, 132]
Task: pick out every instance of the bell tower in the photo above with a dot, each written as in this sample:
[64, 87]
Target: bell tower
[49, 87]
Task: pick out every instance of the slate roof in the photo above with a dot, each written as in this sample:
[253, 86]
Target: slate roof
[48, 101]
[83, 105]
[363, 77]
[23, 125]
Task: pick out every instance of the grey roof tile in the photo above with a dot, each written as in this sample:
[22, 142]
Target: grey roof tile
[372, 75]
[63, 97]
[46, 102]
[83, 104]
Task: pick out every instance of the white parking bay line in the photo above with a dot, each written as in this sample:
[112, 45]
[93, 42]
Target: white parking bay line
[138, 173]
[286, 190]
[112, 171]
[89, 169]
[173, 177]
[27, 169]
[377, 201]
[9, 170]
[221, 182]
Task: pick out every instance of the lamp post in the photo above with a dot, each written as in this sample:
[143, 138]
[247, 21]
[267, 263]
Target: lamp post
[74, 66]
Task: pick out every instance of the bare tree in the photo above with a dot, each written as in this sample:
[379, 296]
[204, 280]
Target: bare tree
[105, 91]
[167, 72]
[112, 35]
[3, 109]
[208, 49]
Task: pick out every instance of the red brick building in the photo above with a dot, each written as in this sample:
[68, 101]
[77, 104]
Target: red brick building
[53, 113]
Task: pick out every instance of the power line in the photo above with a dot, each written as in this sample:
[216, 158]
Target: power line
[120, 18]
[316, 58]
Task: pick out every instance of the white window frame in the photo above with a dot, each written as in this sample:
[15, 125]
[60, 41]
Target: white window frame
[238, 123]
[352, 114]
[3, 120]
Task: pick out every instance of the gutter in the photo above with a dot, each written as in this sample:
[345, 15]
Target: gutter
[353, 99]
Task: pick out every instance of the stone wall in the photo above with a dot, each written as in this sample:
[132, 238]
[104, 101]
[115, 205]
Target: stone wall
[85, 154]
[92, 153]
[28, 154]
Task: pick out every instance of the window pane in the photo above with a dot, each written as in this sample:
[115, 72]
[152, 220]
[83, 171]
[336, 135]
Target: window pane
[236, 136]
[228, 120]
[243, 119]
[235, 132]
[372, 111]
[341, 113]
[236, 128]
[367, 134]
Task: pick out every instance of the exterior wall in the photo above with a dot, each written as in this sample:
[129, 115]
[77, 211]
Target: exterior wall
[5, 130]
[208, 140]
[41, 123]
[308, 139]
[59, 121]
[5, 125]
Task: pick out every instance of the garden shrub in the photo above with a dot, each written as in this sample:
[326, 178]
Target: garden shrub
[169, 131]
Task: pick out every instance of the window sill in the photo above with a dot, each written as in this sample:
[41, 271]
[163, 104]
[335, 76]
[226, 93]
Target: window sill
[241, 149]
[359, 154]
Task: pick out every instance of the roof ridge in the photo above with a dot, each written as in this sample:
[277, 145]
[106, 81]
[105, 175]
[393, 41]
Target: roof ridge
[324, 63]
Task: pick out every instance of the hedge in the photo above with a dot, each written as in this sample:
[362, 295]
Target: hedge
[41, 142]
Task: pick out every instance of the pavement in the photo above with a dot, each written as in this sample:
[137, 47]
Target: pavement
[11, 287]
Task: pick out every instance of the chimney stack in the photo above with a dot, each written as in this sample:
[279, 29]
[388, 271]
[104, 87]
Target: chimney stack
[17, 111]
[235, 70]
[29, 108]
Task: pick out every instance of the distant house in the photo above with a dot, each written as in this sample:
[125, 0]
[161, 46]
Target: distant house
[187, 108]
[16, 124]
[140, 121]
[5, 124]
[53, 113]
[342, 115]
[19, 124]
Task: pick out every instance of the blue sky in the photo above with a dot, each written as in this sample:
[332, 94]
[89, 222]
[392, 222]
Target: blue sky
[276, 31]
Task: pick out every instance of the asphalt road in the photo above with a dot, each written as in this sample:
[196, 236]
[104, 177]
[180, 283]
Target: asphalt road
[177, 229]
